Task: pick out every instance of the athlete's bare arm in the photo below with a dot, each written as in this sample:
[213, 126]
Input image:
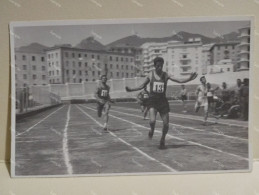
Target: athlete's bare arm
[192, 77]
[142, 86]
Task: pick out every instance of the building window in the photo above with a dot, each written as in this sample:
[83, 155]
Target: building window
[228, 69]
[66, 54]
[67, 63]
[24, 67]
[52, 55]
[118, 74]
[92, 56]
[117, 66]
[126, 59]
[80, 80]
[127, 75]
[111, 74]
[57, 72]
[25, 76]
[122, 74]
[131, 60]
[110, 65]
[127, 67]
[86, 55]
[122, 67]
[117, 59]
[49, 73]
[86, 72]
[132, 74]
[42, 59]
[67, 71]
[80, 72]
[156, 50]
[23, 57]
[56, 55]
[74, 80]
[49, 64]
[79, 55]
[122, 59]
[85, 64]
[93, 73]
[98, 57]
[99, 73]
[74, 72]
[34, 76]
[43, 68]
[57, 64]
[74, 63]
[79, 64]
[111, 58]
[73, 55]
[131, 67]
[33, 58]
[43, 77]
[93, 80]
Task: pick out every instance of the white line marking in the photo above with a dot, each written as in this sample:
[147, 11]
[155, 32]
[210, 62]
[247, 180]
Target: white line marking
[137, 163]
[65, 145]
[97, 132]
[96, 163]
[186, 127]
[197, 118]
[128, 144]
[181, 139]
[27, 130]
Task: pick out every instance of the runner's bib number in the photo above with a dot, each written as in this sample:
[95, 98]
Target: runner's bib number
[104, 93]
[158, 87]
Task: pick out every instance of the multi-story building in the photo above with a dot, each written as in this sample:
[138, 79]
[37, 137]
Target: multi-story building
[222, 66]
[206, 57]
[73, 65]
[181, 58]
[30, 68]
[226, 50]
[243, 49]
[135, 51]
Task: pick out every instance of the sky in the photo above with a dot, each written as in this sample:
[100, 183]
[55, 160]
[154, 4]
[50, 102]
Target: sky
[107, 33]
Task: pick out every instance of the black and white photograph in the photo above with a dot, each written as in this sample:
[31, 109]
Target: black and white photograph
[131, 96]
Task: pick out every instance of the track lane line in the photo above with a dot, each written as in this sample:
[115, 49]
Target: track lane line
[65, 145]
[188, 117]
[30, 128]
[186, 127]
[128, 144]
[181, 139]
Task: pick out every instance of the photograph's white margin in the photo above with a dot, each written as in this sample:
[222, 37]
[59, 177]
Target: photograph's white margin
[12, 25]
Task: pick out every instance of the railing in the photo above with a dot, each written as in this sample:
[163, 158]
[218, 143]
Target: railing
[35, 97]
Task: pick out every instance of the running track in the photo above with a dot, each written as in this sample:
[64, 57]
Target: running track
[69, 140]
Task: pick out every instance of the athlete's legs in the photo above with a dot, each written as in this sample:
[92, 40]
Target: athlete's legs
[197, 106]
[153, 113]
[146, 111]
[106, 114]
[206, 112]
[165, 119]
[99, 109]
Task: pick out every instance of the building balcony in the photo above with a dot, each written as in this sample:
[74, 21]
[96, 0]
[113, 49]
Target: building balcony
[186, 72]
[185, 65]
[243, 60]
[243, 44]
[185, 59]
[243, 35]
[243, 52]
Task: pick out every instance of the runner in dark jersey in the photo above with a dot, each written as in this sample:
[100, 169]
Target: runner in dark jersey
[103, 100]
[143, 98]
[157, 99]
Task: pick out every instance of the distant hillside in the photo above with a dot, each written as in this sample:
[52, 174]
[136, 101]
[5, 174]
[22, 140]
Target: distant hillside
[91, 44]
[32, 48]
[136, 41]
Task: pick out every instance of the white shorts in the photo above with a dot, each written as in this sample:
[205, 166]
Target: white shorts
[202, 102]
